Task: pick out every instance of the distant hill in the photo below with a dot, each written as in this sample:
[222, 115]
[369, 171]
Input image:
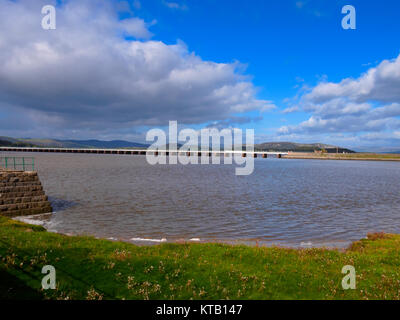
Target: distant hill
[120, 144]
[52, 143]
[13, 143]
[299, 147]
[106, 144]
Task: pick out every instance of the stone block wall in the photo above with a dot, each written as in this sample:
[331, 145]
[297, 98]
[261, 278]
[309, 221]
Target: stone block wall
[22, 194]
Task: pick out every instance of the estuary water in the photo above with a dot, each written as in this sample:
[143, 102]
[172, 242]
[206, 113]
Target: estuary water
[299, 203]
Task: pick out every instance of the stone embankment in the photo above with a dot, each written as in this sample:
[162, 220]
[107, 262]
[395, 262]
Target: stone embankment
[22, 194]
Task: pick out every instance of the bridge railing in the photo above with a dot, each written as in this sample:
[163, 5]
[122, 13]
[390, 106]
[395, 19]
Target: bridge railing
[18, 163]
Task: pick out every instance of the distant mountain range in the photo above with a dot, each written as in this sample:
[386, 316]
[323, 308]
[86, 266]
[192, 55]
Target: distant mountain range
[299, 147]
[119, 144]
[52, 143]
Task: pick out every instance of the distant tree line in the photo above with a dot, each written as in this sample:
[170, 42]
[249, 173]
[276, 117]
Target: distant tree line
[6, 143]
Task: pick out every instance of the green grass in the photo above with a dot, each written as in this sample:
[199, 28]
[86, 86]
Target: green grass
[88, 268]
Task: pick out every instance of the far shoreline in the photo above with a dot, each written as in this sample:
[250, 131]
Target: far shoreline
[343, 156]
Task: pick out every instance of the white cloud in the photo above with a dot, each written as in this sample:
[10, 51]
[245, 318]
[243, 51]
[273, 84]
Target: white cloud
[85, 76]
[381, 83]
[137, 28]
[350, 118]
[367, 106]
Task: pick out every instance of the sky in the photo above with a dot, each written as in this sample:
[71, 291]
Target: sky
[287, 69]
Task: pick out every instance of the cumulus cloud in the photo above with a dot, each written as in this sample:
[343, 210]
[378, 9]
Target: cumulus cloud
[137, 28]
[370, 103]
[381, 83]
[87, 75]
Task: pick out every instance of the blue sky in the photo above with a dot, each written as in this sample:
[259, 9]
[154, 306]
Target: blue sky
[283, 50]
[285, 44]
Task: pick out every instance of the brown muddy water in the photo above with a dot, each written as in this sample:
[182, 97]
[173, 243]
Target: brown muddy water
[284, 202]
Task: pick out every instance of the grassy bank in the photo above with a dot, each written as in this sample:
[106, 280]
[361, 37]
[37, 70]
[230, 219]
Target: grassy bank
[344, 156]
[88, 268]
